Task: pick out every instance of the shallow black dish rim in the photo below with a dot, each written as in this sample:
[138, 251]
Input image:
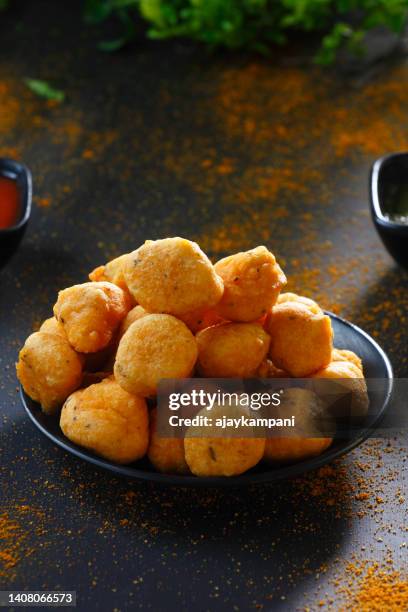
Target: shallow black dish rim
[269, 475]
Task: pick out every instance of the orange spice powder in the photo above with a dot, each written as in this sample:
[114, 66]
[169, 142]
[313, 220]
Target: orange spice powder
[11, 542]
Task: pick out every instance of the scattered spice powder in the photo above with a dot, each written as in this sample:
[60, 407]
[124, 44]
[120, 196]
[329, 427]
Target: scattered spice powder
[43, 202]
[10, 537]
[269, 104]
[372, 587]
[380, 590]
[18, 526]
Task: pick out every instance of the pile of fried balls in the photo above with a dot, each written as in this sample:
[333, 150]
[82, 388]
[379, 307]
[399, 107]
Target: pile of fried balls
[165, 311]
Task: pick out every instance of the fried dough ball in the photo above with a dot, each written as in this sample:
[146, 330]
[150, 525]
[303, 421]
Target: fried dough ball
[294, 297]
[340, 369]
[52, 326]
[200, 319]
[301, 338]
[351, 378]
[108, 420]
[133, 315]
[308, 411]
[91, 314]
[166, 454]
[252, 282]
[172, 276]
[218, 455]
[222, 456]
[345, 355]
[92, 361]
[49, 369]
[154, 347]
[113, 273]
[98, 274]
[231, 350]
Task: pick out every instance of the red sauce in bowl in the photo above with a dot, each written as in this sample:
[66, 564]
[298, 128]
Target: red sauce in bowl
[9, 202]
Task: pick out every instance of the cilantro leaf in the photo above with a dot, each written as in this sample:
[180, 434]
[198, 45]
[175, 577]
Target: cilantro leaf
[44, 90]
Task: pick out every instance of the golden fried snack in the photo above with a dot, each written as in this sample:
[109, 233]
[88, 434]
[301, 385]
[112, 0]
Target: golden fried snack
[98, 274]
[345, 355]
[49, 369]
[340, 369]
[294, 297]
[351, 378]
[172, 276]
[113, 273]
[133, 315]
[154, 347]
[92, 361]
[252, 282]
[52, 326]
[91, 314]
[108, 420]
[301, 338]
[200, 319]
[231, 350]
[220, 456]
[308, 410]
[166, 454]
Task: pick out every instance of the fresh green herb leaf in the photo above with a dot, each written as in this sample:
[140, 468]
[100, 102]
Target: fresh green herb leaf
[45, 90]
[255, 24]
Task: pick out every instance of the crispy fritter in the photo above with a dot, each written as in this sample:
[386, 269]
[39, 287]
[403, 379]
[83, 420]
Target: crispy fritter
[252, 282]
[108, 420]
[172, 276]
[231, 350]
[49, 369]
[154, 347]
[91, 314]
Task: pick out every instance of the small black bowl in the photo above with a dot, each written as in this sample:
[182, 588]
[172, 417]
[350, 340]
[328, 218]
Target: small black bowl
[388, 181]
[10, 237]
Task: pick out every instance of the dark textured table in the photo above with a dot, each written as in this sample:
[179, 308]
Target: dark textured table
[164, 139]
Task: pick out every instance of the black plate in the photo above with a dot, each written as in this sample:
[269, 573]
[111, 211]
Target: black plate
[346, 335]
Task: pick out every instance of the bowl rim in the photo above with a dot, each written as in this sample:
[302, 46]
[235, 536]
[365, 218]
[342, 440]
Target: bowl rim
[248, 478]
[376, 209]
[18, 169]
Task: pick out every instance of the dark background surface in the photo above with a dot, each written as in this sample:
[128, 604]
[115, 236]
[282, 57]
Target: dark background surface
[164, 139]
